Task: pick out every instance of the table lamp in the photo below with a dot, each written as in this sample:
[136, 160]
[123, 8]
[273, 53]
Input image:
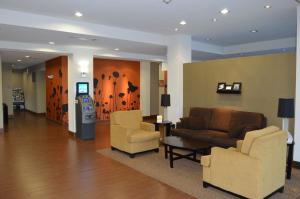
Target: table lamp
[165, 102]
[286, 110]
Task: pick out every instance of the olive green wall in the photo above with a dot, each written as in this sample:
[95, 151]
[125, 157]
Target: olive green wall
[264, 80]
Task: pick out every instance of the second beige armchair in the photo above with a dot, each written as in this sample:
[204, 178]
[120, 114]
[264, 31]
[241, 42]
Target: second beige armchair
[130, 134]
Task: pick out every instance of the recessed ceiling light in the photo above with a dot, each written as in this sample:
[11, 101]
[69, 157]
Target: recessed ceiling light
[254, 31]
[116, 49]
[19, 60]
[78, 14]
[268, 6]
[27, 56]
[183, 22]
[214, 20]
[225, 11]
[176, 29]
[167, 1]
[208, 39]
[51, 42]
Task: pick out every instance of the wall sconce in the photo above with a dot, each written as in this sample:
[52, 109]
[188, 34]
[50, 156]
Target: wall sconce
[84, 64]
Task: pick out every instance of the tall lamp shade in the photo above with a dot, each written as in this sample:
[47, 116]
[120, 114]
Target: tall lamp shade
[286, 109]
[165, 100]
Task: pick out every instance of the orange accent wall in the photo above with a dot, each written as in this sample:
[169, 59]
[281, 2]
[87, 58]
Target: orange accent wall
[57, 89]
[116, 86]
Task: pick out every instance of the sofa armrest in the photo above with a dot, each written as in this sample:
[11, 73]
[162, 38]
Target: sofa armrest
[147, 126]
[205, 160]
[239, 144]
[179, 125]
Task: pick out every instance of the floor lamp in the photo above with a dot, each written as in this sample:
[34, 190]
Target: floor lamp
[165, 102]
[286, 110]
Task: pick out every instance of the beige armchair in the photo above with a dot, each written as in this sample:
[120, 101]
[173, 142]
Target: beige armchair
[130, 134]
[255, 169]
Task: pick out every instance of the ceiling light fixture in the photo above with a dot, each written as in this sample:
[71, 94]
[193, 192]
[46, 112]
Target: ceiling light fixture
[176, 29]
[167, 1]
[182, 23]
[254, 31]
[19, 60]
[116, 49]
[224, 11]
[78, 14]
[51, 42]
[268, 6]
[214, 20]
[27, 56]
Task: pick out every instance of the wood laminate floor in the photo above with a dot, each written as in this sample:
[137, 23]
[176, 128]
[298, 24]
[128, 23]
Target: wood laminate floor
[40, 160]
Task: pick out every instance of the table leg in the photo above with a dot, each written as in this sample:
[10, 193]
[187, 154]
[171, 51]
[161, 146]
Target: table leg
[166, 151]
[194, 155]
[156, 127]
[168, 129]
[289, 161]
[171, 156]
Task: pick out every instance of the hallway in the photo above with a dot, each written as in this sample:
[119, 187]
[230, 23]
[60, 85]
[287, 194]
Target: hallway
[39, 159]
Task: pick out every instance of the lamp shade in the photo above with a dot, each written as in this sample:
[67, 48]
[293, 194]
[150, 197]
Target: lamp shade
[286, 108]
[165, 100]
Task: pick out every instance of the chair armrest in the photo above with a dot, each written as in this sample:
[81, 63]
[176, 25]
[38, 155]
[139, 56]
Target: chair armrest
[239, 144]
[147, 126]
[205, 160]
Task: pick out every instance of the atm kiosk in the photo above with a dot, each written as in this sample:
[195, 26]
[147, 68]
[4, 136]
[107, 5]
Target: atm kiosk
[85, 112]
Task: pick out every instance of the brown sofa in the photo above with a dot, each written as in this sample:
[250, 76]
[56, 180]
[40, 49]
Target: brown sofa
[218, 126]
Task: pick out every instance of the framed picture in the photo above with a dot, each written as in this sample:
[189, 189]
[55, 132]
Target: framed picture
[237, 86]
[228, 87]
[221, 86]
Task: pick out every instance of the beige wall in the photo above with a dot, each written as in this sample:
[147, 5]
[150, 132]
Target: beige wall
[145, 87]
[35, 92]
[1, 109]
[7, 88]
[154, 89]
[264, 80]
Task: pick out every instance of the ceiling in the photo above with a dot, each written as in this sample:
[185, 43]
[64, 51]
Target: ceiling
[155, 16]
[10, 58]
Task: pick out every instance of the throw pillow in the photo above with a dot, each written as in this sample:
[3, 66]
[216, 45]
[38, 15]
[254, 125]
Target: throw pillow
[185, 122]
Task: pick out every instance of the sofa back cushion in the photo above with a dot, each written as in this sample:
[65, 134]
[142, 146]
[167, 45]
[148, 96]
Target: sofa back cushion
[253, 135]
[199, 118]
[220, 119]
[128, 119]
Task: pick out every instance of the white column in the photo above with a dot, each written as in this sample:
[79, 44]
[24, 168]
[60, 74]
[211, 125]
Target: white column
[74, 75]
[145, 88]
[179, 53]
[1, 100]
[297, 100]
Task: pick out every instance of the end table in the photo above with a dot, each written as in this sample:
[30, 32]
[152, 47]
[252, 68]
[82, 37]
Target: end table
[166, 123]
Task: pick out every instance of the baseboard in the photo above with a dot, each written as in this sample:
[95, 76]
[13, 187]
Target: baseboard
[296, 164]
[72, 133]
[32, 112]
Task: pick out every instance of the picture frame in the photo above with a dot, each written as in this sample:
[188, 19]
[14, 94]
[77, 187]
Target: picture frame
[228, 87]
[221, 86]
[237, 86]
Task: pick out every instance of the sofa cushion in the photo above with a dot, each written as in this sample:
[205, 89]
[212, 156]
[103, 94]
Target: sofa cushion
[201, 135]
[252, 135]
[143, 136]
[239, 131]
[224, 142]
[220, 119]
[184, 122]
[198, 123]
[242, 118]
[247, 129]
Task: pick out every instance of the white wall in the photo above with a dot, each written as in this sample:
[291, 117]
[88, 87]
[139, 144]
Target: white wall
[297, 100]
[1, 109]
[145, 88]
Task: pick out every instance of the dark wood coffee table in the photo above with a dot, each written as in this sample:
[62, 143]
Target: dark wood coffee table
[194, 147]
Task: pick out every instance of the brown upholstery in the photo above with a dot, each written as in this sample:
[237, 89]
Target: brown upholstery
[220, 119]
[224, 127]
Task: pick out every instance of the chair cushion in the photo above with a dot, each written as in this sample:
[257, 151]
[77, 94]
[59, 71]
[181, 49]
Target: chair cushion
[128, 119]
[205, 160]
[220, 119]
[143, 136]
[252, 135]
